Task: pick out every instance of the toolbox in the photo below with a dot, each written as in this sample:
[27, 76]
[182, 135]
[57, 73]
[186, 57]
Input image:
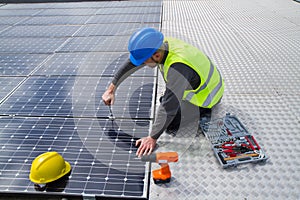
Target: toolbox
[231, 142]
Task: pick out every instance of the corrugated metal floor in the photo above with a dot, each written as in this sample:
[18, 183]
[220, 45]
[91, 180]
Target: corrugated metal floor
[255, 44]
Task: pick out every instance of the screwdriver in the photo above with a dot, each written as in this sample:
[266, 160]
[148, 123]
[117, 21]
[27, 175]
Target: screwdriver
[111, 116]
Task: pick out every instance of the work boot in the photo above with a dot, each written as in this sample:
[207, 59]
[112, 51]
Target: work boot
[205, 117]
[203, 124]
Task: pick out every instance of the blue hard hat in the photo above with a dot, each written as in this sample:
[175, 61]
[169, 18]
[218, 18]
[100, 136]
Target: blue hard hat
[143, 44]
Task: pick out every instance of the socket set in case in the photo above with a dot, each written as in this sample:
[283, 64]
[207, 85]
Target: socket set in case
[231, 142]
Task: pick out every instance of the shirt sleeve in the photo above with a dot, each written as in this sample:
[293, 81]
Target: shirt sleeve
[180, 77]
[124, 71]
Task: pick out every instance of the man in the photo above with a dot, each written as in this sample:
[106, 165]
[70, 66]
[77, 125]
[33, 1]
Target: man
[193, 83]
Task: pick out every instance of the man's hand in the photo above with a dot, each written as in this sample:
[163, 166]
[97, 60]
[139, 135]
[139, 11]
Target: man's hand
[108, 96]
[146, 146]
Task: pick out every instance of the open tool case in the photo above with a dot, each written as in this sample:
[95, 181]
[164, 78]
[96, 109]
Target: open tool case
[231, 142]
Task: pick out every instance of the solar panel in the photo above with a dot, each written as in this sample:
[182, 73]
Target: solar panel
[19, 64]
[3, 27]
[40, 31]
[113, 29]
[133, 18]
[129, 10]
[96, 43]
[113, 43]
[21, 6]
[71, 96]
[25, 12]
[61, 5]
[102, 155]
[56, 60]
[7, 85]
[135, 4]
[57, 20]
[10, 20]
[68, 12]
[88, 63]
[30, 45]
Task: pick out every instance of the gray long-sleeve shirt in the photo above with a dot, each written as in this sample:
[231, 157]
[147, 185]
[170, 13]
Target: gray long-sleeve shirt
[180, 78]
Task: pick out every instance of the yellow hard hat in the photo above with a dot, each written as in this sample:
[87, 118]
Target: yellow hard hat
[48, 167]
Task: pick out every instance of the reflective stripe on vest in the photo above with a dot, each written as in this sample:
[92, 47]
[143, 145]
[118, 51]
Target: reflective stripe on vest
[211, 87]
[213, 93]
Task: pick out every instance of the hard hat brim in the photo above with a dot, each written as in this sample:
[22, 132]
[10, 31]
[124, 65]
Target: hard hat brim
[68, 168]
[142, 60]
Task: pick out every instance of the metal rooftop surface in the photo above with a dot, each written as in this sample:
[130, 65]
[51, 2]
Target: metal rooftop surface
[47, 62]
[255, 44]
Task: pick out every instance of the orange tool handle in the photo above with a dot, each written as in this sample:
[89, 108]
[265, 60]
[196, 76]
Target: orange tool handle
[166, 157]
[161, 157]
[242, 156]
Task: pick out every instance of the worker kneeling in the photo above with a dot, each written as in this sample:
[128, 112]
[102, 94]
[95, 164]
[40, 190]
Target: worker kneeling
[193, 83]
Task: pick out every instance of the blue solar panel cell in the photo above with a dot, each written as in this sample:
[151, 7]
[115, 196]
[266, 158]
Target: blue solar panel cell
[19, 64]
[10, 20]
[55, 20]
[68, 12]
[135, 4]
[62, 5]
[129, 10]
[114, 29]
[3, 27]
[40, 96]
[24, 12]
[125, 18]
[40, 31]
[7, 85]
[79, 97]
[88, 64]
[96, 44]
[27, 6]
[30, 45]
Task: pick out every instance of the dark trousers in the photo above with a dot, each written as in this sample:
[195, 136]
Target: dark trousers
[188, 113]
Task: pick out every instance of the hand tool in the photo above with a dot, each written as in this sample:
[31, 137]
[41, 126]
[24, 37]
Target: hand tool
[162, 175]
[242, 156]
[236, 150]
[261, 154]
[228, 132]
[255, 142]
[251, 142]
[111, 116]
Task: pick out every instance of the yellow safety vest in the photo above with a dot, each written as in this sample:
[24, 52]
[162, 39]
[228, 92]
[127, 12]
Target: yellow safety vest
[211, 88]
